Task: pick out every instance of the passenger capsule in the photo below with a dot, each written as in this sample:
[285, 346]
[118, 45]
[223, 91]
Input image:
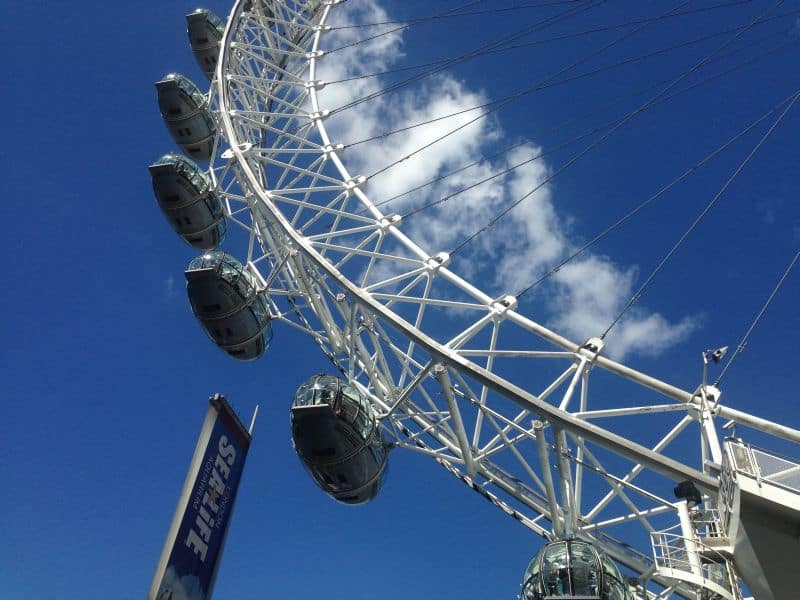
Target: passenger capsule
[185, 195]
[336, 435]
[205, 31]
[225, 299]
[570, 568]
[186, 114]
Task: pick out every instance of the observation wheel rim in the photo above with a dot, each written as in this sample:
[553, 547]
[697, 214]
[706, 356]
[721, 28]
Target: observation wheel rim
[671, 468]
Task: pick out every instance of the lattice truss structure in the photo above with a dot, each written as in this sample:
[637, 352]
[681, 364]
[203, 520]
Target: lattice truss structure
[497, 399]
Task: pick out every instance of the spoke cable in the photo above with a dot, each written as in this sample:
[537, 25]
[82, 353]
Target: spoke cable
[569, 122]
[561, 37]
[746, 337]
[549, 84]
[497, 105]
[402, 27]
[626, 119]
[586, 133]
[539, 25]
[630, 214]
[452, 15]
[638, 294]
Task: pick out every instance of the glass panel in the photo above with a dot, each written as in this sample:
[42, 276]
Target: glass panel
[530, 582]
[555, 570]
[258, 312]
[610, 567]
[199, 181]
[613, 586]
[362, 423]
[215, 22]
[585, 570]
[209, 260]
[614, 590]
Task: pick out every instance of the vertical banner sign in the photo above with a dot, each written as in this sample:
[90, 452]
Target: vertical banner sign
[191, 554]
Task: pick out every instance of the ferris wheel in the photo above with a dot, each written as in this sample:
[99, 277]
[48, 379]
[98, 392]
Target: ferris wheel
[578, 447]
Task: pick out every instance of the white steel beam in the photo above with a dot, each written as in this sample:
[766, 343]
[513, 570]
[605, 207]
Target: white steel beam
[440, 371]
[544, 459]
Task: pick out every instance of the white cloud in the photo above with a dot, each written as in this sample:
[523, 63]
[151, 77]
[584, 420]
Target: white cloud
[587, 293]
[590, 294]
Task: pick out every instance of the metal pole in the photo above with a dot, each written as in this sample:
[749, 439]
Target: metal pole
[689, 539]
[455, 416]
[253, 421]
[555, 517]
[560, 439]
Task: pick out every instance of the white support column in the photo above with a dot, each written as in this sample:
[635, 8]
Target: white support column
[710, 396]
[455, 416]
[689, 539]
[567, 498]
[555, 517]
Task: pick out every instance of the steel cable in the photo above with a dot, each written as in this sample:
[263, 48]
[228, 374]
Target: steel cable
[741, 345]
[627, 118]
[643, 288]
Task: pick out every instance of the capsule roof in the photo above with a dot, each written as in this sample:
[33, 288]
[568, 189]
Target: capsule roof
[184, 84]
[327, 389]
[571, 568]
[225, 265]
[180, 161]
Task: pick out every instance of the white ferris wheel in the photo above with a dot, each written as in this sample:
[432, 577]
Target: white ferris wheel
[577, 447]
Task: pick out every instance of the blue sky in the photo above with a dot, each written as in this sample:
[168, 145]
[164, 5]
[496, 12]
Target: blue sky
[106, 374]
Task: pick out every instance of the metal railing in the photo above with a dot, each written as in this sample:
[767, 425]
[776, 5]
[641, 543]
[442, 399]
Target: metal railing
[764, 466]
[688, 559]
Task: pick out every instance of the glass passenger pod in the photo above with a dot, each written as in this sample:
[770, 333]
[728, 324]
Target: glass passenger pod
[226, 301]
[336, 435]
[205, 31]
[185, 195]
[574, 570]
[186, 114]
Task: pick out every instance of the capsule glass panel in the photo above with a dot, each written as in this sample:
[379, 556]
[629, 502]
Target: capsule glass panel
[573, 569]
[187, 116]
[336, 435]
[186, 197]
[205, 31]
[225, 299]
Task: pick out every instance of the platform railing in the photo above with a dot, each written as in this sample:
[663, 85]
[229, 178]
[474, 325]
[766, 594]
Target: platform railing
[764, 465]
[690, 559]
